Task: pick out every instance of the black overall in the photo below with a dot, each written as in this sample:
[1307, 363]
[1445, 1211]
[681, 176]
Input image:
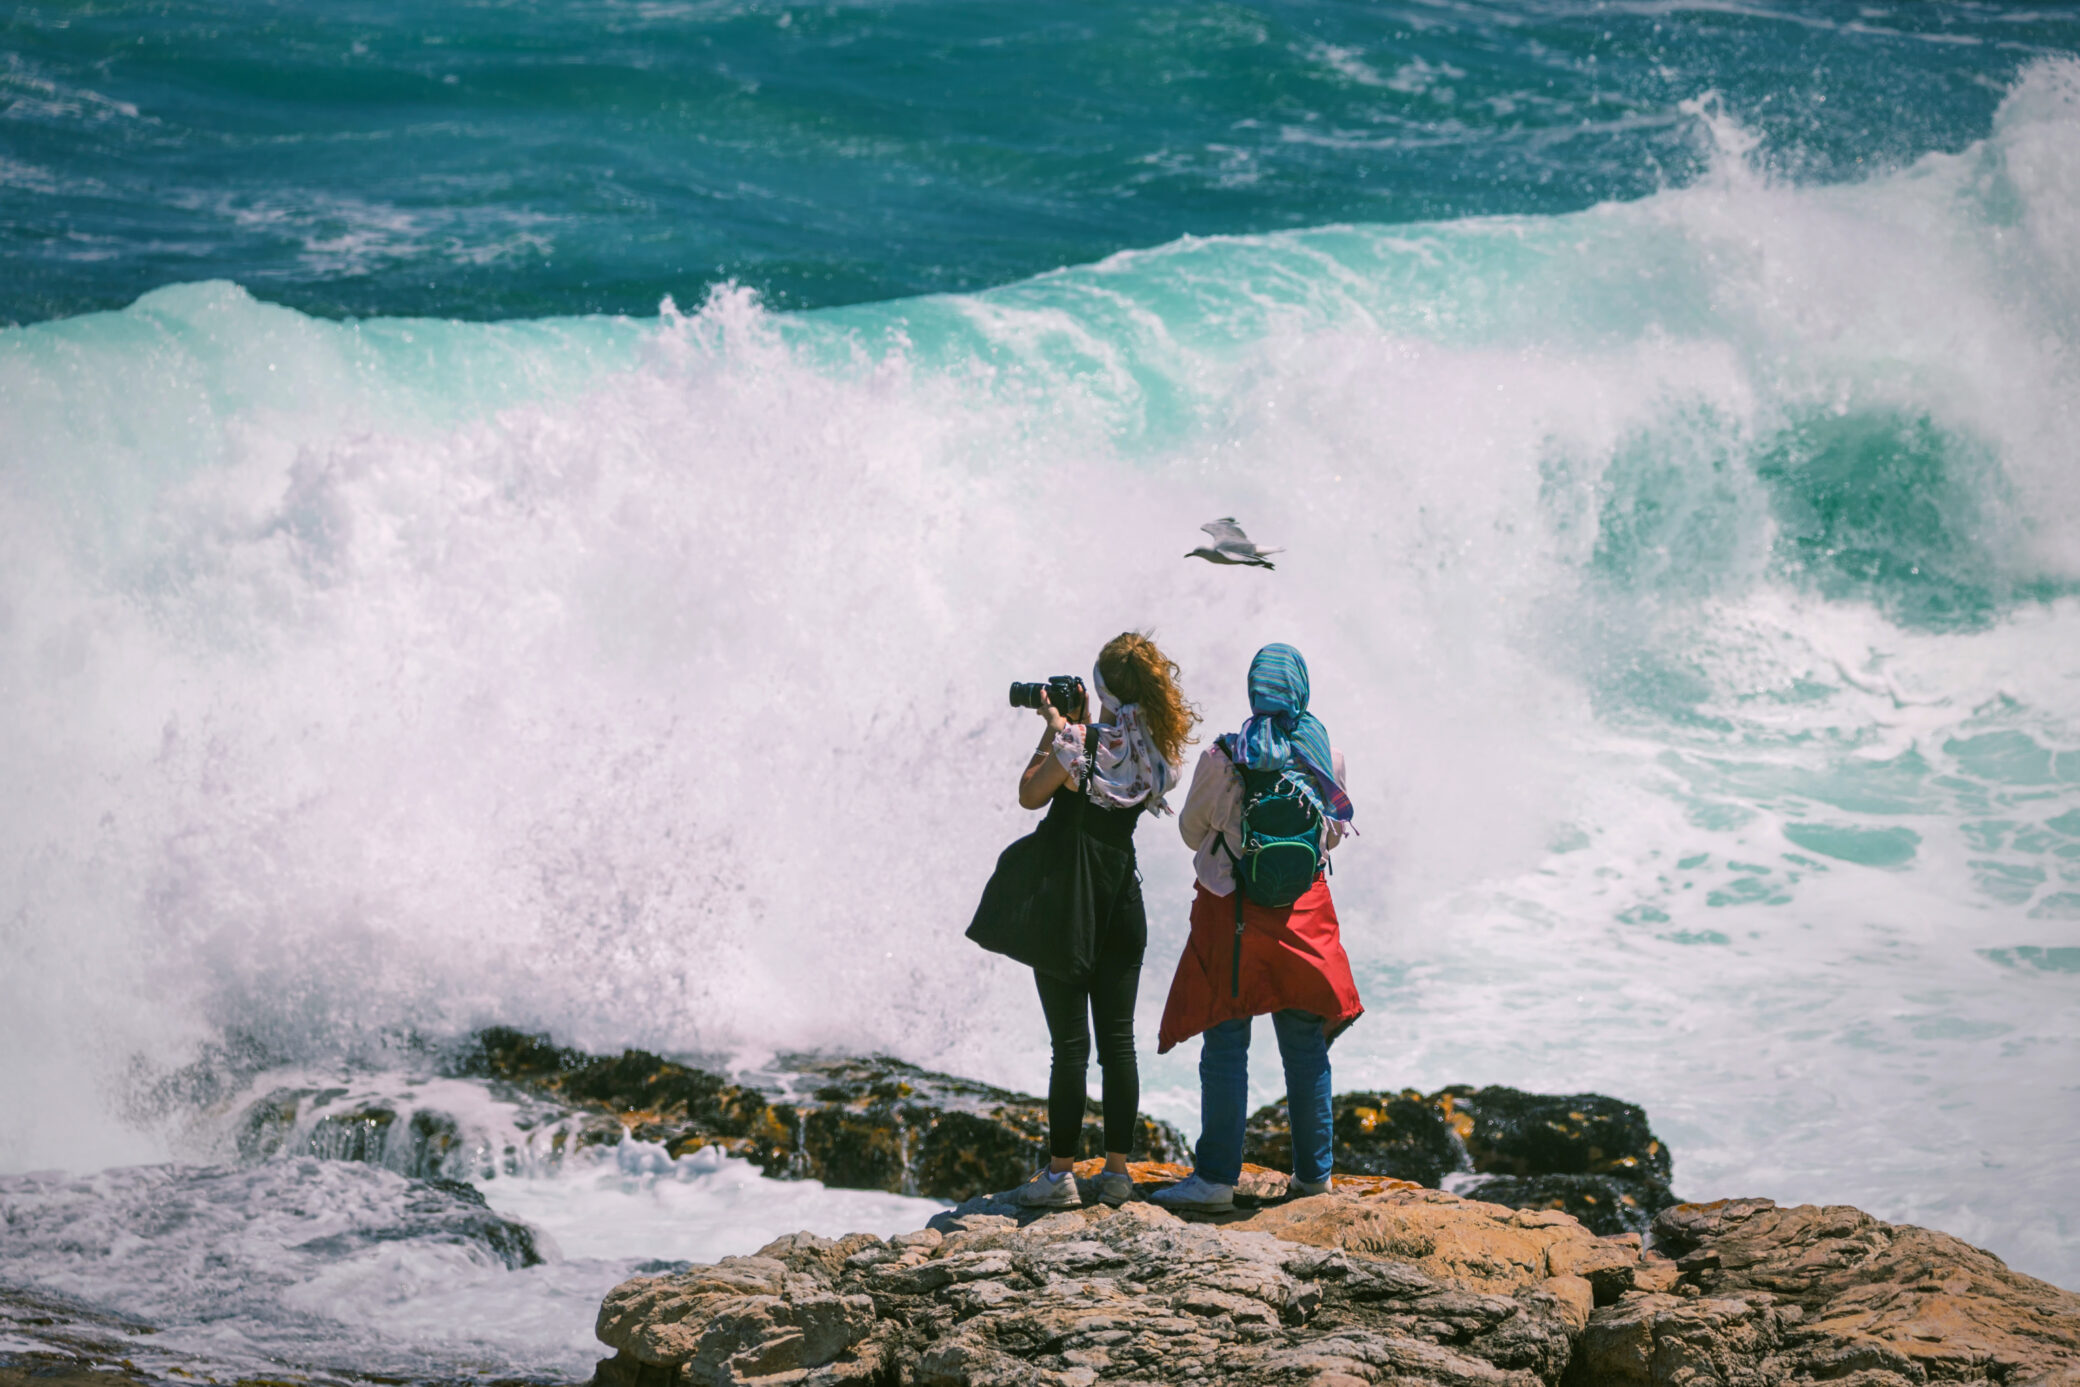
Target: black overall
[1105, 997]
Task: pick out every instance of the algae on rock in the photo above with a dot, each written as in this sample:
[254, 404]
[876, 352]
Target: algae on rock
[851, 1122]
[1585, 1154]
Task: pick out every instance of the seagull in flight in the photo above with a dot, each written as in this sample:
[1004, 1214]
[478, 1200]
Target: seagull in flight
[1231, 545]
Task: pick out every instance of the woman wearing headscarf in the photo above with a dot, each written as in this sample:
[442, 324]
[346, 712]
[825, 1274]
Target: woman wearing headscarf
[1287, 961]
[1123, 763]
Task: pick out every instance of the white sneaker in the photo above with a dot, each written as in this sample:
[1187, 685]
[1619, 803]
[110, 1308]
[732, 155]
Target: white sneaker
[1114, 1187]
[1043, 1191]
[1194, 1195]
[1301, 1189]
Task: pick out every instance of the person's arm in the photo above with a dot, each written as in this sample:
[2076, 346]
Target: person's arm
[1333, 831]
[1044, 772]
[1209, 803]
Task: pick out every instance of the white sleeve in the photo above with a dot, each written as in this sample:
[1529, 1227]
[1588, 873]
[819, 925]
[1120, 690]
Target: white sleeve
[1210, 803]
[1334, 831]
[1068, 749]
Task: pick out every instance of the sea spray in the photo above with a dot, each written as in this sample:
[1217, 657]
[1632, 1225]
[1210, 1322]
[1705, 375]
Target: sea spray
[1687, 582]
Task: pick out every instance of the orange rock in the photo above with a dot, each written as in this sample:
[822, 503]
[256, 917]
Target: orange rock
[1484, 1246]
[1655, 1274]
[1577, 1298]
[1824, 1292]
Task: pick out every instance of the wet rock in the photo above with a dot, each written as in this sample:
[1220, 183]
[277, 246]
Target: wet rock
[968, 1153]
[645, 1096]
[853, 1123]
[443, 1211]
[1404, 1136]
[1585, 1154]
[418, 1144]
[269, 1122]
[882, 1124]
[355, 1134]
[429, 1139]
[1768, 1294]
[459, 1210]
[879, 1123]
[48, 1339]
[1510, 1132]
[1605, 1204]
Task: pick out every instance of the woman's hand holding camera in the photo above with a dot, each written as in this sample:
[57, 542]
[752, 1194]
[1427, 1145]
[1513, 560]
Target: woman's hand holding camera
[1052, 716]
[1044, 774]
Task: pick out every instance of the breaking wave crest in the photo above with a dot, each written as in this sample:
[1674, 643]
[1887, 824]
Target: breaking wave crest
[642, 680]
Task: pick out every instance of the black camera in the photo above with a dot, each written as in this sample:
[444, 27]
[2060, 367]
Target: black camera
[1064, 691]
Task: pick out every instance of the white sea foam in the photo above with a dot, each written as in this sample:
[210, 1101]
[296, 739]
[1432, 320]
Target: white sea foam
[635, 1201]
[345, 1266]
[643, 682]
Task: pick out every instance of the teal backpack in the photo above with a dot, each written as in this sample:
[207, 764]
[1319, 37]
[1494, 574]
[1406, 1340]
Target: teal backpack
[1281, 847]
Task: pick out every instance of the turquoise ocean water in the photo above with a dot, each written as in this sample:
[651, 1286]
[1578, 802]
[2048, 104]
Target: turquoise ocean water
[523, 514]
[509, 160]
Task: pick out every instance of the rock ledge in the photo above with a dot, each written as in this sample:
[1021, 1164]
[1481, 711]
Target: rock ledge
[1380, 1281]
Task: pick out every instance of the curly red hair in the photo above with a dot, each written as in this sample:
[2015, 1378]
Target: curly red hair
[1137, 672]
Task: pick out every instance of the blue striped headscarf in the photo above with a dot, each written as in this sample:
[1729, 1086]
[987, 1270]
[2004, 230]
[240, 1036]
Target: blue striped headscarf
[1282, 732]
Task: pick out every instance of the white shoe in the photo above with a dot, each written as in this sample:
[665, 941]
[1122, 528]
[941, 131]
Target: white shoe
[1043, 1191]
[1194, 1195]
[1114, 1187]
[1301, 1189]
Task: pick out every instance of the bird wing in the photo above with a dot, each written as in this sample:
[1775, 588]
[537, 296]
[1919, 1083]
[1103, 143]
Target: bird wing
[1225, 531]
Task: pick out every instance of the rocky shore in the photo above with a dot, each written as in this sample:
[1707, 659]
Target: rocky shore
[1379, 1281]
[1475, 1237]
[871, 1122]
[1560, 1256]
[875, 1123]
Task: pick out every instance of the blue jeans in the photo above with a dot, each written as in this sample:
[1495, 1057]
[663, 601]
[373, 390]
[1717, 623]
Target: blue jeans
[1224, 1095]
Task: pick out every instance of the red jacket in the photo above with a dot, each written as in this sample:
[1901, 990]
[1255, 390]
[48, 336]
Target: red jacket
[1291, 957]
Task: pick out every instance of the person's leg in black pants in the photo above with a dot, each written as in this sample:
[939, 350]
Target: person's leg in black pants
[1070, 1007]
[1112, 1010]
[1108, 1000]
[1067, 1006]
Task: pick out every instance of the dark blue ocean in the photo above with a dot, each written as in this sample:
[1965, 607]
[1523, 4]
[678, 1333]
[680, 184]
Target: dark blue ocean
[524, 160]
[523, 514]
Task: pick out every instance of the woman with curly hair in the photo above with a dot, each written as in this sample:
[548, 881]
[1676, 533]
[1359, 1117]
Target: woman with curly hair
[1120, 763]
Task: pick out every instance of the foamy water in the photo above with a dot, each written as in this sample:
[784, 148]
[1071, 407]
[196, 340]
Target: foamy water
[1688, 581]
[351, 1266]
